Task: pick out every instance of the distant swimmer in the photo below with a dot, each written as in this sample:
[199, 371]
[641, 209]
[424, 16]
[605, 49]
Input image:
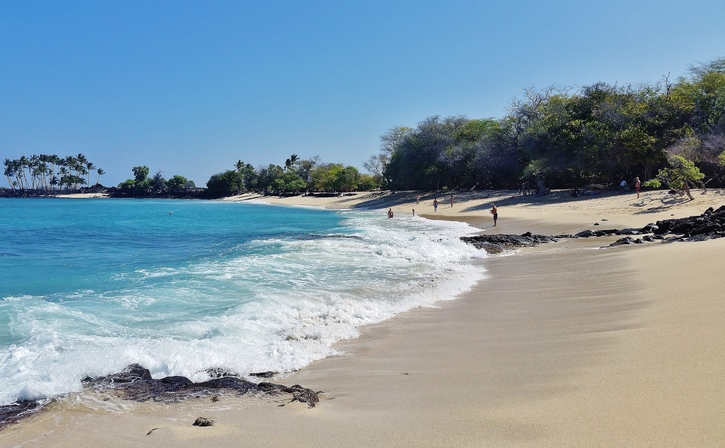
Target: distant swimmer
[171, 212]
[494, 212]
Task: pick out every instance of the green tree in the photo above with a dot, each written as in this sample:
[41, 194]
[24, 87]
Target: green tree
[266, 178]
[304, 170]
[157, 183]
[367, 182]
[140, 173]
[127, 186]
[679, 175]
[347, 179]
[291, 182]
[222, 184]
[177, 183]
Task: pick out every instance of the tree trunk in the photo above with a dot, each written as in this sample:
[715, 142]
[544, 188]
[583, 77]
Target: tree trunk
[686, 187]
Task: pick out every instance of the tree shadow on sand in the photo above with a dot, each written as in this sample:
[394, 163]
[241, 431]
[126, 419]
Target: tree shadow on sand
[659, 205]
[510, 197]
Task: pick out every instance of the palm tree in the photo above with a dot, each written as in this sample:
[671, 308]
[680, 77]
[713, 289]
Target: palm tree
[10, 172]
[55, 162]
[63, 171]
[289, 162]
[100, 173]
[89, 167]
[20, 175]
[39, 174]
[50, 173]
[240, 169]
[70, 163]
[81, 159]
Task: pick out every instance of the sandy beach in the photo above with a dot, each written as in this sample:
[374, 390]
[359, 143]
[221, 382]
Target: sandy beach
[562, 345]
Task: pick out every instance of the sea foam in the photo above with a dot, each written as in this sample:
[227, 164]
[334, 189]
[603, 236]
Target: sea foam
[240, 294]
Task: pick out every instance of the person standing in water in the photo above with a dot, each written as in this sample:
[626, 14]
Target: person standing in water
[390, 213]
[494, 212]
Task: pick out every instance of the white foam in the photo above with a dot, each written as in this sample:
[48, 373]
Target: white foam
[275, 304]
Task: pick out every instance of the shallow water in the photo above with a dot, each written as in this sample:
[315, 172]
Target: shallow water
[90, 286]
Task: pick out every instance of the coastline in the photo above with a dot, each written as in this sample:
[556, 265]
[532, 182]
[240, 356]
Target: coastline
[561, 345]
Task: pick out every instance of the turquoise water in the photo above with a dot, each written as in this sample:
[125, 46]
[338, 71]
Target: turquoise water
[90, 286]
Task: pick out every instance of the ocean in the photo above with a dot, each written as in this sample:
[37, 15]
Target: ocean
[89, 286]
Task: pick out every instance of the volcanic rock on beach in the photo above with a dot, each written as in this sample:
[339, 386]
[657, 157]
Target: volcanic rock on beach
[495, 244]
[17, 411]
[135, 383]
[709, 225]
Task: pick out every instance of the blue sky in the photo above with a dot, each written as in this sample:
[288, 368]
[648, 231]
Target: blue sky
[190, 87]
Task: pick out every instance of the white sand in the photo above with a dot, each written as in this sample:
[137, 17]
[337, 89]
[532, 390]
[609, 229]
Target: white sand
[82, 195]
[562, 345]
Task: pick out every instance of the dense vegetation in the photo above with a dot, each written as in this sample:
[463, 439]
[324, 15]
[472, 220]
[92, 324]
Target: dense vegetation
[143, 185]
[597, 134]
[296, 176]
[671, 134]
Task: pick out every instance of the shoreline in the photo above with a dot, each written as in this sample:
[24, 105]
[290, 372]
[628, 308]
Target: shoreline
[544, 352]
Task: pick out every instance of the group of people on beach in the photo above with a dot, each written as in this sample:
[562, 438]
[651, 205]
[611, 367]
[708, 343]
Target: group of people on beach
[523, 190]
[435, 203]
[637, 185]
[494, 209]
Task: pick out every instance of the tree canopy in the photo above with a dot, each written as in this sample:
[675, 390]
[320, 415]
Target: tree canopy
[599, 133]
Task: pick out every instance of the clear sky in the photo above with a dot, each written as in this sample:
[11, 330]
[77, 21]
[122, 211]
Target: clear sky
[190, 87]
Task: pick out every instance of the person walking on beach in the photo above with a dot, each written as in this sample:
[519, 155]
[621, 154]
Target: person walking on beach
[494, 212]
[451, 201]
[435, 205]
[417, 200]
[637, 184]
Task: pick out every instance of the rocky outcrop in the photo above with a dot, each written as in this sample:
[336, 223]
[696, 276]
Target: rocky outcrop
[709, 225]
[135, 383]
[17, 411]
[495, 244]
